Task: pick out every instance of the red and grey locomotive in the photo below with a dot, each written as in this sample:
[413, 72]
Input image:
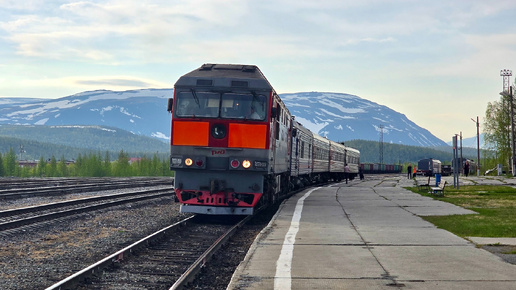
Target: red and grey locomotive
[232, 140]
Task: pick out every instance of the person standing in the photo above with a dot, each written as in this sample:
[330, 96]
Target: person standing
[346, 172]
[466, 168]
[409, 171]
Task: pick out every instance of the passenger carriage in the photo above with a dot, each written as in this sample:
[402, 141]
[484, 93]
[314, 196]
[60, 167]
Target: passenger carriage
[321, 159]
[353, 160]
[302, 163]
[337, 160]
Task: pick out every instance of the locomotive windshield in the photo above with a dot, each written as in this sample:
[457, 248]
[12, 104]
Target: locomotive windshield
[247, 106]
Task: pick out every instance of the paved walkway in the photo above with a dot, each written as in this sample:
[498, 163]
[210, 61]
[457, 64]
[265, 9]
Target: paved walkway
[367, 235]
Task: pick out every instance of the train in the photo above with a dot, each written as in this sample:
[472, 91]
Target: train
[377, 168]
[234, 145]
[428, 167]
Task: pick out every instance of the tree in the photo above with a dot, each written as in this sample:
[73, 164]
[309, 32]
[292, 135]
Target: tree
[122, 166]
[10, 163]
[62, 169]
[2, 170]
[497, 129]
[107, 164]
[41, 168]
[52, 169]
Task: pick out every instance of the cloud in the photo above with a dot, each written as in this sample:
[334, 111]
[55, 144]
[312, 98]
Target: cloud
[370, 40]
[112, 31]
[100, 82]
[485, 56]
[115, 82]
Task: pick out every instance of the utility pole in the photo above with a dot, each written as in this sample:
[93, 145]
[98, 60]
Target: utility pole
[455, 162]
[478, 145]
[461, 160]
[22, 150]
[508, 92]
[381, 144]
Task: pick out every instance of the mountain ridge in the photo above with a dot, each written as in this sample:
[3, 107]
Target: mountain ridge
[338, 116]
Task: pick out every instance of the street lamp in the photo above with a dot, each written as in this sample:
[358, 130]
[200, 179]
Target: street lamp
[478, 145]
[506, 73]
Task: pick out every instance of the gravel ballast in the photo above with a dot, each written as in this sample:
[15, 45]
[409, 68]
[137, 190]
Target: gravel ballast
[35, 257]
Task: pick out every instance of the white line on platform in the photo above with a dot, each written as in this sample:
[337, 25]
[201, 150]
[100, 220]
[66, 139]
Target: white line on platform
[283, 277]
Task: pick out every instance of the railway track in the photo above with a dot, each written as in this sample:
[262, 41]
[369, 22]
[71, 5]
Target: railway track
[169, 258]
[14, 218]
[16, 190]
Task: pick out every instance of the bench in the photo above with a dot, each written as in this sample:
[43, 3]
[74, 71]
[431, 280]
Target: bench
[439, 189]
[421, 184]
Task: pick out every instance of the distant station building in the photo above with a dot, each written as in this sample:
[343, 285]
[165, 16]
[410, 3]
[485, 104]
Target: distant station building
[34, 163]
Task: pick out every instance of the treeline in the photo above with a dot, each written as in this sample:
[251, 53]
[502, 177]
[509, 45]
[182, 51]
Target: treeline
[47, 140]
[401, 154]
[31, 142]
[88, 165]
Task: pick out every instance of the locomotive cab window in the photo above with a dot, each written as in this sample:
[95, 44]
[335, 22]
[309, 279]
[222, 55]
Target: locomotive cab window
[243, 106]
[197, 104]
[247, 106]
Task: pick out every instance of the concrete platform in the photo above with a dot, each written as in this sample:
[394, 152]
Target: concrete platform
[367, 235]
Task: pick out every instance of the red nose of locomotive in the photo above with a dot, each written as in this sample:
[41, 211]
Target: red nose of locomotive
[219, 134]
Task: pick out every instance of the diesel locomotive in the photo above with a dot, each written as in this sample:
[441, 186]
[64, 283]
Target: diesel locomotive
[235, 145]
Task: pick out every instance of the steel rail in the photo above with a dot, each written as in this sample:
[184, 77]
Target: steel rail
[76, 278]
[189, 275]
[21, 210]
[54, 215]
[28, 192]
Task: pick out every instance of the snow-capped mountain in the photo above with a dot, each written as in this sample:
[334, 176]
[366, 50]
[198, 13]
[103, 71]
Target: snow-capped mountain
[471, 142]
[339, 117]
[342, 117]
[141, 112]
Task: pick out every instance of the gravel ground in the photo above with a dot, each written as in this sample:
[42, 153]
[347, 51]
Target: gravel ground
[37, 258]
[38, 200]
[507, 253]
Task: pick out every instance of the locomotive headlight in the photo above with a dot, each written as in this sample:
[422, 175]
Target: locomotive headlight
[246, 164]
[188, 161]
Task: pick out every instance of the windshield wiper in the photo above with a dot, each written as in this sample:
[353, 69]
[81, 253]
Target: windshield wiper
[194, 94]
[255, 96]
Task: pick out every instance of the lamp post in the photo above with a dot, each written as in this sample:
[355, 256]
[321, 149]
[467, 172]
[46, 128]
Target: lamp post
[506, 74]
[478, 145]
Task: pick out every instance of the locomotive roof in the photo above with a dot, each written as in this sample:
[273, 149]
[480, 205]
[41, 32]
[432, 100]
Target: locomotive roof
[225, 75]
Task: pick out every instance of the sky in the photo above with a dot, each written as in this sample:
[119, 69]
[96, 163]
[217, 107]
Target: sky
[437, 62]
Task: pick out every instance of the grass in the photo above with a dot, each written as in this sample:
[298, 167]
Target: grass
[495, 205]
